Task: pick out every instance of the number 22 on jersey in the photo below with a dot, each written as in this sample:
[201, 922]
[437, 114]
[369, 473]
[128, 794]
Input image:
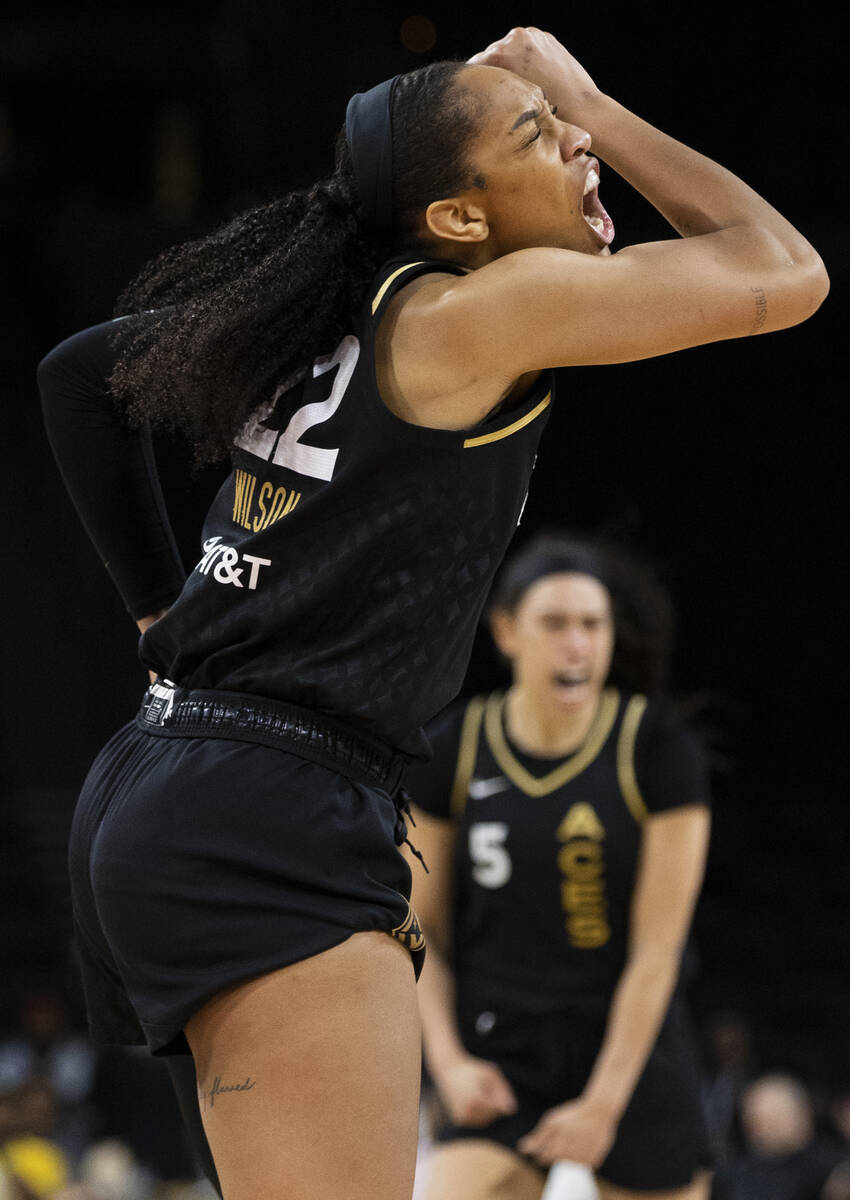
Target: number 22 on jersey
[285, 447]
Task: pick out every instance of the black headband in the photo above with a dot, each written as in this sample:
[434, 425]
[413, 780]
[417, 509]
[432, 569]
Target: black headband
[524, 571]
[368, 131]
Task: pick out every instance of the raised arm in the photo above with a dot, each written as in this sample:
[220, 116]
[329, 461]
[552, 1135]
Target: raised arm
[738, 268]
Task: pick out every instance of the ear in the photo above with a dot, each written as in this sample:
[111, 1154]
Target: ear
[503, 629]
[457, 220]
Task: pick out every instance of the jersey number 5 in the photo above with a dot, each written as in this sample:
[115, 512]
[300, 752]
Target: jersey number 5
[286, 448]
[491, 863]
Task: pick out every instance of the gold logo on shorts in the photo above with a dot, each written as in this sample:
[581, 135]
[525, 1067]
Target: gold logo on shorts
[409, 932]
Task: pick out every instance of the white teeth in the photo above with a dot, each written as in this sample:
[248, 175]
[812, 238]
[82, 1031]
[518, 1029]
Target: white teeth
[596, 223]
[592, 181]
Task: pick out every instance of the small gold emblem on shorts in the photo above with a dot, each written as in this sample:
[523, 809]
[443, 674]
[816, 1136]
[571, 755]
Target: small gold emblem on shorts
[409, 932]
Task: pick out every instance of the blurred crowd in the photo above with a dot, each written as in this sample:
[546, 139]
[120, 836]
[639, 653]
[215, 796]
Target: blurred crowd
[84, 1123]
[776, 1136]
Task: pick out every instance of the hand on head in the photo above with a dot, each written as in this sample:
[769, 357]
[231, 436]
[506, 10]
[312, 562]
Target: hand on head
[540, 58]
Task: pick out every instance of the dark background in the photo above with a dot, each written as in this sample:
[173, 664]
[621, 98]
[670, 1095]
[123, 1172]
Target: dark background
[123, 131]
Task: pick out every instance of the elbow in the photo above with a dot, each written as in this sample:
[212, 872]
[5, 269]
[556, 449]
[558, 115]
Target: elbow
[44, 370]
[46, 378]
[816, 287]
[52, 369]
[808, 287]
[820, 282]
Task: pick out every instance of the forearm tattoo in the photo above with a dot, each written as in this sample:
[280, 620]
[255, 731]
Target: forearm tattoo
[761, 309]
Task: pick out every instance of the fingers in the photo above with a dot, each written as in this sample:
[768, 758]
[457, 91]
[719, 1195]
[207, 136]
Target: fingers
[485, 1096]
[500, 1093]
[474, 1115]
[539, 1149]
[540, 1143]
[531, 1143]
[504, 48]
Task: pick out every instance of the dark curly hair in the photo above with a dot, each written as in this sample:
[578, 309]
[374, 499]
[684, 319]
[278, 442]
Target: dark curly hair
[253, 304]
[642, 608]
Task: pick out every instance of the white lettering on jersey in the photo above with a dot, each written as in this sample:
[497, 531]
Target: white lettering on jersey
[286, 449]
[222, 560]
[492, 865]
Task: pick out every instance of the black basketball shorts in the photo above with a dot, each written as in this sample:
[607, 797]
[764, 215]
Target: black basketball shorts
[662, 1139]
[200, 862]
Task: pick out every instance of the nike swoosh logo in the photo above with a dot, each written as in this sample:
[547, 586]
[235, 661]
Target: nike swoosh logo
[480, 789]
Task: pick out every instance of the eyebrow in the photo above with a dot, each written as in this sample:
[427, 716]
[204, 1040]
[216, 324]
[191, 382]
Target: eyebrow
[530, 115]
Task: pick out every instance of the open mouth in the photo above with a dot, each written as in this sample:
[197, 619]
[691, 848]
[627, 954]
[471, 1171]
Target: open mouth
[593, 212]
[568, 682]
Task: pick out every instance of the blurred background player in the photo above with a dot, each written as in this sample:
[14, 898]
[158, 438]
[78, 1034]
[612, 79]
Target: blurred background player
[565, 825]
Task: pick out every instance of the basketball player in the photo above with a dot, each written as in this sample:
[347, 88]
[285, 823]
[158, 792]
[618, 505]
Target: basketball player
[565, 826]
[375, 355]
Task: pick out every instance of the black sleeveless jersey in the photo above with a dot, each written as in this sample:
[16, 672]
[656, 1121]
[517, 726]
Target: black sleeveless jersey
[348, 556]
[547, 850]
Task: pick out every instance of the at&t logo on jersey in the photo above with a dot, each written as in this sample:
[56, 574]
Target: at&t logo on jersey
[228, 566]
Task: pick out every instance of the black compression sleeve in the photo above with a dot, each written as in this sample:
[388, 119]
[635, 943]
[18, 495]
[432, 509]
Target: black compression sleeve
[109, 471]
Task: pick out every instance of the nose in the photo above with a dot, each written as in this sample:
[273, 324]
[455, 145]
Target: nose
[574, 141]
[576, 640]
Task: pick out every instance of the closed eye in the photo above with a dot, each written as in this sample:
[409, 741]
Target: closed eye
[553, 111]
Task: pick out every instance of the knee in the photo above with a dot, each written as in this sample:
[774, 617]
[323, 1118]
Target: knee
[481, 1170]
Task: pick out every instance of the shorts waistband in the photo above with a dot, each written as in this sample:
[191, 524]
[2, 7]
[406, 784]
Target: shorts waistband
[172, 711]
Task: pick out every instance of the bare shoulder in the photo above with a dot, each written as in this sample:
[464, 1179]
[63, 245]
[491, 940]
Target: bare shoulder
[425, 372]
[442, 355]
[455, 335]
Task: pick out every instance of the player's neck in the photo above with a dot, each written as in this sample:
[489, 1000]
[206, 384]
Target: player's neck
[547, 730]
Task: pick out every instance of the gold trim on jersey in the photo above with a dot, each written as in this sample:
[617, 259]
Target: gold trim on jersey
[626, 774]
[498, 434]
[532, 785]
[382, 290]
[466, 755]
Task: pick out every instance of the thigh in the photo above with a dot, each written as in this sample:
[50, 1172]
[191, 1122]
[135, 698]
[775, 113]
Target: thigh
[698, 1189]
[476, 1169]
[308, 1077]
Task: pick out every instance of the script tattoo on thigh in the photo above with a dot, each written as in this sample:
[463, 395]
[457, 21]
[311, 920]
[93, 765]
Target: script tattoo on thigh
[218, 1089]
[761, 309]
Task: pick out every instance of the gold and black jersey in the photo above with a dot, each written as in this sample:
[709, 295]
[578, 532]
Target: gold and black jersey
[347, 558]
[547, 850]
